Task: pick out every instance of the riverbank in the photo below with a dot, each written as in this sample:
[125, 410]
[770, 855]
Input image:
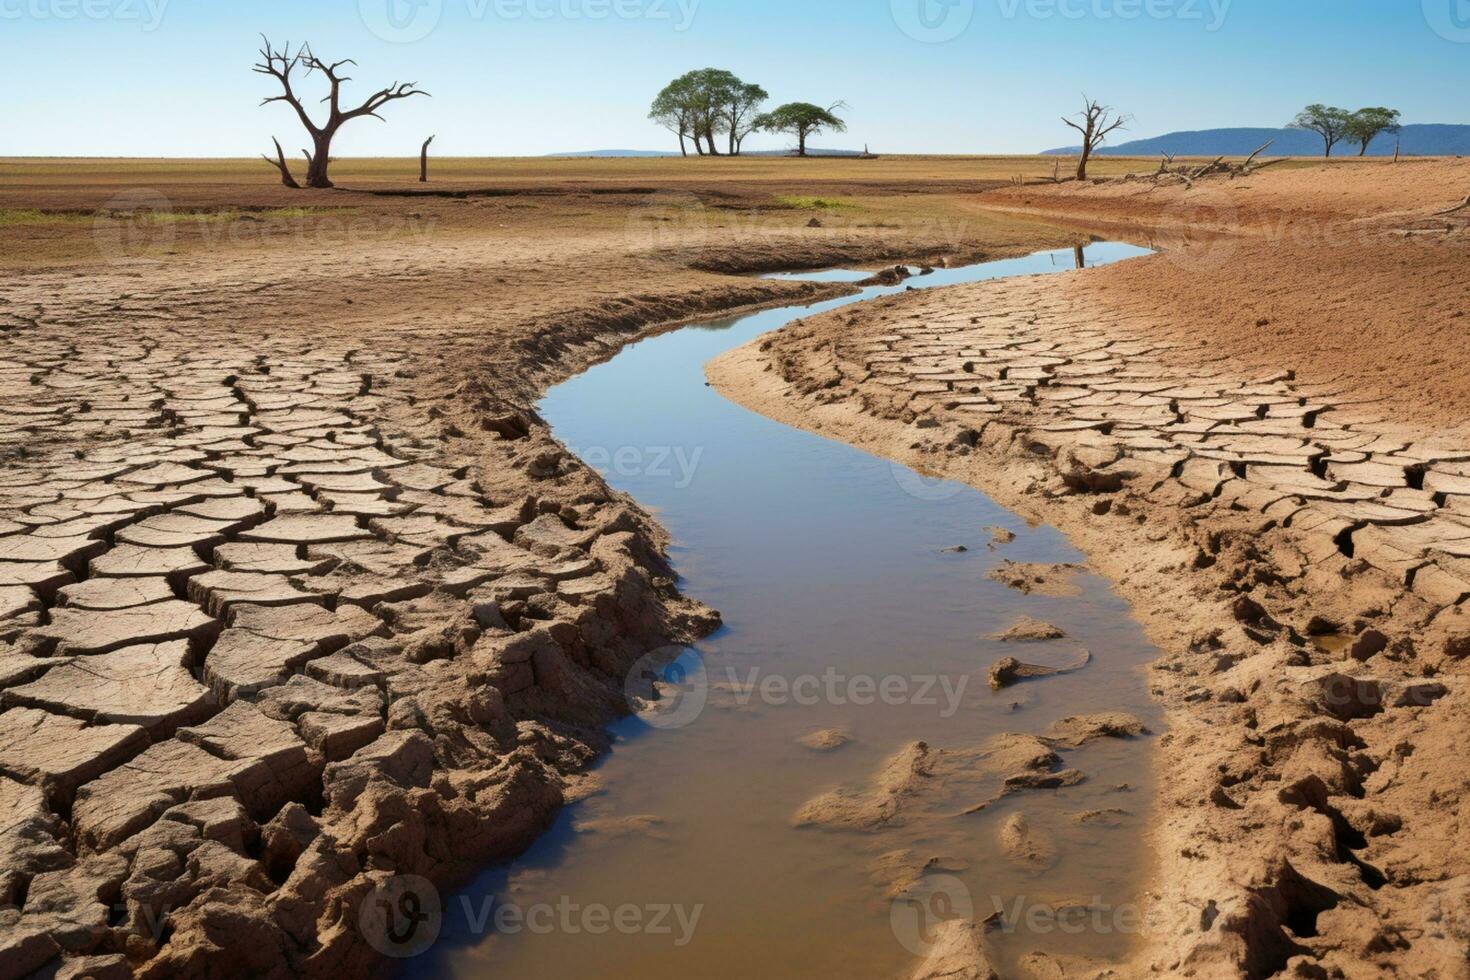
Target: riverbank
[1277, 499]
[301, 600]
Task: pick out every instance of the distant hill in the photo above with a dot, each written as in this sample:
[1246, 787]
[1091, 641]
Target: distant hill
[666, 153]
[615, 153]
[1418, 140]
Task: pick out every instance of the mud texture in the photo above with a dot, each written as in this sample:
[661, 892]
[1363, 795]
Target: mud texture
[1298, 547]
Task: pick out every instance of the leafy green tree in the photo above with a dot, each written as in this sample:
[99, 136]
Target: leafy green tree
[710, 89]
[1328, 122]
[802, 120]
[741, 110]
[1366, 125]
[675, 109]
[706, 103]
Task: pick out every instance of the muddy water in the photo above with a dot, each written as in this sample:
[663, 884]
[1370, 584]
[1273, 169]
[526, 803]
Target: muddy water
[845, 610]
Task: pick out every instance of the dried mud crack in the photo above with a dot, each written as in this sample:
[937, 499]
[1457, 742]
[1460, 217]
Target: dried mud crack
[1303, 562]
[265, 644]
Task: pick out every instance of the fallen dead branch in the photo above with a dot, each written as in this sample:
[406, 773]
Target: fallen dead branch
[1454, 210]
[1217, 167]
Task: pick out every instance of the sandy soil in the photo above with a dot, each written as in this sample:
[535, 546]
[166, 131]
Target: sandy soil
[1343, 275]
[1259, 436]
[297, 594]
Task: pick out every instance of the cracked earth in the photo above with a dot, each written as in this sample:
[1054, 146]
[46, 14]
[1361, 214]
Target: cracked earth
[1303, 559]
[260, 645]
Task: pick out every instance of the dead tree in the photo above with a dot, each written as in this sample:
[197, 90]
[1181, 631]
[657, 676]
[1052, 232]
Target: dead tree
[424, 161]
[280, 164]
[1094, 122]
[281, 64]
[1217, 167]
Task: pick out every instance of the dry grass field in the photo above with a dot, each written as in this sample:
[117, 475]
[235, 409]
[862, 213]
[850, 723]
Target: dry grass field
[53, 212]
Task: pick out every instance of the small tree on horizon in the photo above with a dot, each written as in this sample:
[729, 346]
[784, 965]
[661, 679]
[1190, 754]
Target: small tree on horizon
[1328, 122]
[675, 110]
[705, 103]
[741, 110]
[1366, 125]
[1094, 122]
[802, 120]
[281, 64]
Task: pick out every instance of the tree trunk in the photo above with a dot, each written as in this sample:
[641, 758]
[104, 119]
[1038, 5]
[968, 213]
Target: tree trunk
[709, 134]
[801, 142]
[1083, 159]
[683, 147]
[424, 161]
[321, 159]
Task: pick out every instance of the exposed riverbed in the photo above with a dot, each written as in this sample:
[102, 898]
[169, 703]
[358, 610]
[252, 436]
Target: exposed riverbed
[847, 610]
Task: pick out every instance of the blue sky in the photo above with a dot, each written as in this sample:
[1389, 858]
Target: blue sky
[511, 77]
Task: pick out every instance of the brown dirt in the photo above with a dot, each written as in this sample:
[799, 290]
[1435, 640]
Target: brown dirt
[1344, 275]
[1280, 502]
[297, 594]
[187, 372]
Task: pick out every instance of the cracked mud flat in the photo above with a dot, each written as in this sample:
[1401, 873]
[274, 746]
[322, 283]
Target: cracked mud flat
[297, 594]
[1297, 549]
[263, 648]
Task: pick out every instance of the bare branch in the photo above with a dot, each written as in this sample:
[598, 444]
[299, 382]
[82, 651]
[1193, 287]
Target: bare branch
[1258, 151]
[1454, 210]
[280, 164]
[279, 65]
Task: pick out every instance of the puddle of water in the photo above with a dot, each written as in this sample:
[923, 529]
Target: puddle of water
[830, 568]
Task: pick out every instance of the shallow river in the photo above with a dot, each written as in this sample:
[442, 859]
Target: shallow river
[844, 609]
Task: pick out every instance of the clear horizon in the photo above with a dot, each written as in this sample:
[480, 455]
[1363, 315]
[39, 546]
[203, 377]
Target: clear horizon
[171, 78]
